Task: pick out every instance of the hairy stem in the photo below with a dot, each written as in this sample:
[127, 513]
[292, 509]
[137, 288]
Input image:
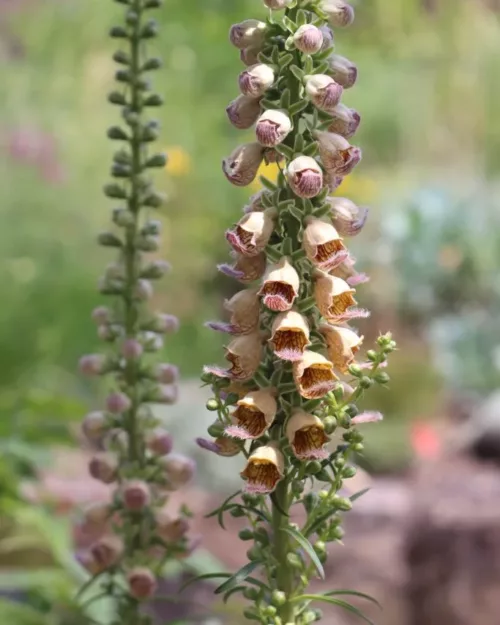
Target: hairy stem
[284, 573]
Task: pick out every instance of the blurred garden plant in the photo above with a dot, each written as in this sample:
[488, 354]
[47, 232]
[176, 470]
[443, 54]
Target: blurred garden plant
[134, 536]
[292, 379]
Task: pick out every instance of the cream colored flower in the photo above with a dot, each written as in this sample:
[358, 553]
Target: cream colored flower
[305, 176]
[244, 353]
[290, 335]
[273, 127]
[323, 91]
[342, 344]
[241, 167]
[335, 299]
[254, 414]
[280, 286]
[306, 434]
[323, 244]
[251, 234]
[313, 375]
[256, 80]
[338, 156]
[347, 218]
[245, 268]
[265, 468]
[244, 307]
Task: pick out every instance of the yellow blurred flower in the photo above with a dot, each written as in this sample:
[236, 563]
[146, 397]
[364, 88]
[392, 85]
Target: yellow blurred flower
[178, 161]
[269, 171]
[359, 189]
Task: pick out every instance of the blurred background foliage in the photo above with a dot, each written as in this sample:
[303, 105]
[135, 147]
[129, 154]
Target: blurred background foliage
[428, 93]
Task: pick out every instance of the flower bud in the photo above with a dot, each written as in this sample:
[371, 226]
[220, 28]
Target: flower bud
[246, 268]
[277, 5]
[87, 561]
[143, 290]
[305, 177]
[323, 244]
[306, 434]
[347, 218]
[290, 335]
[93, 364]
[166, 373]
[251, 234]
[103, 468]
[95, 425]
[272, 127]
[165, 394]
[308, 39]
[159, 441]
[118, 403]
[101, 315]
[243, 112]
[254, 415]
[168, 529]
[241, 167]
[256, 80]
[339, 157]
[250, 56]
[142, 583]
[152, 342]
[132, 349]
[265, 468]
[222, 446]
[339, 12]
[247, 33]
[244, 307]
[166, 324]
[343, 71]
[179, 470]
[342, 344]
[313, 375]
[96, 515]
[155, 270]
[345, 121]
[280, 286]
[323, 91]
[107, 552]
[327, 37]
[136, 495]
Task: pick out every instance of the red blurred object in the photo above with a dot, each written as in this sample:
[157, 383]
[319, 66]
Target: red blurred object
[425, 441]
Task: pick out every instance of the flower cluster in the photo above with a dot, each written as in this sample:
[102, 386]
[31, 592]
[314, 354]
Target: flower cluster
[133, 534]
[292, 379]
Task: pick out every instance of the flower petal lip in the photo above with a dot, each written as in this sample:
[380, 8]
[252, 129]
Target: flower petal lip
[306, 434]
[280, 286]
[305, 177]
[290, 335]
[255, 80]
[264, 469]
[272, 127]
[313, 375]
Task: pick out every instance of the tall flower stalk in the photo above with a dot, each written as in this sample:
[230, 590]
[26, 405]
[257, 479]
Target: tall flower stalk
[134, 536]
[292, 380]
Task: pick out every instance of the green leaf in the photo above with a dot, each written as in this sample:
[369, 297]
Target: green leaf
[269, 104]
[359, 494]
[275, 55]
[307, 547]
[270, 186]
[299, 144]
[238, 577]
[354, 593]
[276, 503]
[198, 578]
[298, 107]
[289, 24]
[232, 591]
[297, 72]
[319, 521]
[220, 510]
[311, 149]
[322, 68]
[285, 150]
[308, 66]
[301, 17]
[285, 60]
[324, 54]
[285, 99]
[339, 602]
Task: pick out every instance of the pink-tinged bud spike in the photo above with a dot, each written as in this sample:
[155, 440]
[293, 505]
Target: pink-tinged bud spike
[179, 470]
[169, 529]
[166, 394]
[166, 324]
[143, 290]
[142, 583]
[243, 112]
[101, 315]
[339, 12]
[107, 552]
[247, 33]
[343, 71]
[273, 127]
[103, 468]
[338, 156]
[324, 91]
[367, 417]
[241, 167]
[166, 373]
[305, 177]
[93, 364]
[160, 442]
[345, 121]
[136, 495]
[308, 39]
[118, 403]
[132, 349]
[96, 515]
[256, 80]
[95, 425]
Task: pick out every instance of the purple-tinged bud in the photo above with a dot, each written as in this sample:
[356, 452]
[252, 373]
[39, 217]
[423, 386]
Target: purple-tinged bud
[305, 177]
[101, 315]
[241, 167]
[247, 33]
[367, 417]
[347, 218]
[143, 290]
[136, 495]
[95, 425]
[345, 121]
[323, 91]
[164, 323]
[166, 373]
[117, 403]
[165, 394]
[277, 5]
[342, 70]
[96, 515]
[243, 112]
[272, 127]
[107, 552]
[250, 56]
[116, 441]
[170, 530]
[108, 332]
[339, 12]
[152, 342]
[179, 470]
[132, 349]
[308, 39]
[338, 156]
[93, 364]
[142, 583]
[327, 37]
[160, 442]
[103, 468]
[256, 80]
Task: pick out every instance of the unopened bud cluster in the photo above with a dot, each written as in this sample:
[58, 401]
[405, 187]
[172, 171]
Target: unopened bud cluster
[133, 534]
[294, 371]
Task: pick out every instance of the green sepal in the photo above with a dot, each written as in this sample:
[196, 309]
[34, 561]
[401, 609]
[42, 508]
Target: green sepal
[301, 17]
[289, 24]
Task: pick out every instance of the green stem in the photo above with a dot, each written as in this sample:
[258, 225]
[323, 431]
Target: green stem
[284, 573]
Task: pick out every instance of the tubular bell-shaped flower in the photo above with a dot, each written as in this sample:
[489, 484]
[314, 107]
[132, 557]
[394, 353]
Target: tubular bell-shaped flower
[280, 399]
